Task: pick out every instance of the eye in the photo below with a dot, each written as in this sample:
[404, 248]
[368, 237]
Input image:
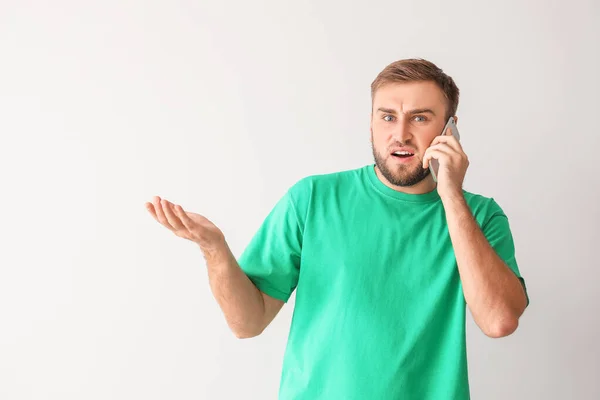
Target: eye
[420, 118]
[388, 118]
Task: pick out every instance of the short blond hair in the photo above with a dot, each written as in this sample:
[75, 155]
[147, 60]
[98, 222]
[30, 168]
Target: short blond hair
[415, 70]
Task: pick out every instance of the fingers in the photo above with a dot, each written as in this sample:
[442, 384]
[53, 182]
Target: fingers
[160, 214]
[150, 208]
[439, 151]
[437, 154]
[189, 226]
[184, 218]
[450, 140]
[198, 228]
[174, 220]
[161, 211]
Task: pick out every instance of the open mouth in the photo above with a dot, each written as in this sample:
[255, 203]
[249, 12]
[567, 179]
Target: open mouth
[402, 154]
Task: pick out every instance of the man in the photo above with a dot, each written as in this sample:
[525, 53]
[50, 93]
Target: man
[383, 259]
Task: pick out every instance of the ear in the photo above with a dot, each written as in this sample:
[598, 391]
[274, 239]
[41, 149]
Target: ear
[371, 128]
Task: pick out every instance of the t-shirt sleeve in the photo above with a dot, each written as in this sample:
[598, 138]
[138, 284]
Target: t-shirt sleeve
[272, 258]
[498, 233]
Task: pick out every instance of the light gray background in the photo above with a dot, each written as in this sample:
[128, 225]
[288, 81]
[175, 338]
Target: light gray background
[221, 106]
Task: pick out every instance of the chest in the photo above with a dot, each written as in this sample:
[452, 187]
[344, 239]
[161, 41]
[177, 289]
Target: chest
[382, 253]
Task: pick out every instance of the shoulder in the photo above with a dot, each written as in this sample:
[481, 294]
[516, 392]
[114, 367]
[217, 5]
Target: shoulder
[483, 207]
[325, 182]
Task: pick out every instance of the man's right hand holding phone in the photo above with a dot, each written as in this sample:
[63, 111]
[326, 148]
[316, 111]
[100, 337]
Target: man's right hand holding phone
[453, 163]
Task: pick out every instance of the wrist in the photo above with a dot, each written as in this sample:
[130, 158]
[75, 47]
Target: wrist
[455, 196]
[216, 254]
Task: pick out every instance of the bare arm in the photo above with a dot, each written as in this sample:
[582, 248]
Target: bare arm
[492, 291]
[247, 310]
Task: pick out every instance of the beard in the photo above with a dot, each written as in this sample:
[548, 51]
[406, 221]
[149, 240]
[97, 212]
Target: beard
[399, 175]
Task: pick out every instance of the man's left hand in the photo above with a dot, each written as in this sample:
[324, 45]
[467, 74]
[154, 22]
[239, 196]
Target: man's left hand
[453, 164]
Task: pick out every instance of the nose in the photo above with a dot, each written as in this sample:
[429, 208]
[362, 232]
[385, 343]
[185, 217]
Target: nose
[402, 133]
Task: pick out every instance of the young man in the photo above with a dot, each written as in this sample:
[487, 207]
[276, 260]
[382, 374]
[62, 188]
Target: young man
[383, 259]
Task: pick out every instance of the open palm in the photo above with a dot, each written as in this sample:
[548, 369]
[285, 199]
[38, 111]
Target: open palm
[185, 224]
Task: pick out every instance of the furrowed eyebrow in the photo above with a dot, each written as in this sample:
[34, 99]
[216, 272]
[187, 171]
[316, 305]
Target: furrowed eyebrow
[421, 111]
[410, 112]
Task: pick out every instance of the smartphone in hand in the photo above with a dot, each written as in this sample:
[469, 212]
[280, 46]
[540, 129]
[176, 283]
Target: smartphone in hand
[434, 164]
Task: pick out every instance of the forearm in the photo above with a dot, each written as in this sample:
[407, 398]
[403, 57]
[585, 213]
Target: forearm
[492, 291]
[240, 300]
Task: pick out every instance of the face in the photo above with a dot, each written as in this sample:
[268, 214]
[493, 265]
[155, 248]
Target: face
[406, 117]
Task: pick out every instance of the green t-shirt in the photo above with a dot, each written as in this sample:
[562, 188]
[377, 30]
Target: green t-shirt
[380, 311]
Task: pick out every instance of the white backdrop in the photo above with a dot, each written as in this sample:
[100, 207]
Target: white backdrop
[221, 106]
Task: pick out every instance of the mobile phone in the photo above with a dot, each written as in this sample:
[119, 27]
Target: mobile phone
[434, 164]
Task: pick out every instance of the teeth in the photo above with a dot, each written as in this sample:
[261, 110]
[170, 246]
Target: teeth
[402, 153]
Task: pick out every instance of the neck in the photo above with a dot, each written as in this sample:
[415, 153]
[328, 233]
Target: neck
[425, 186]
